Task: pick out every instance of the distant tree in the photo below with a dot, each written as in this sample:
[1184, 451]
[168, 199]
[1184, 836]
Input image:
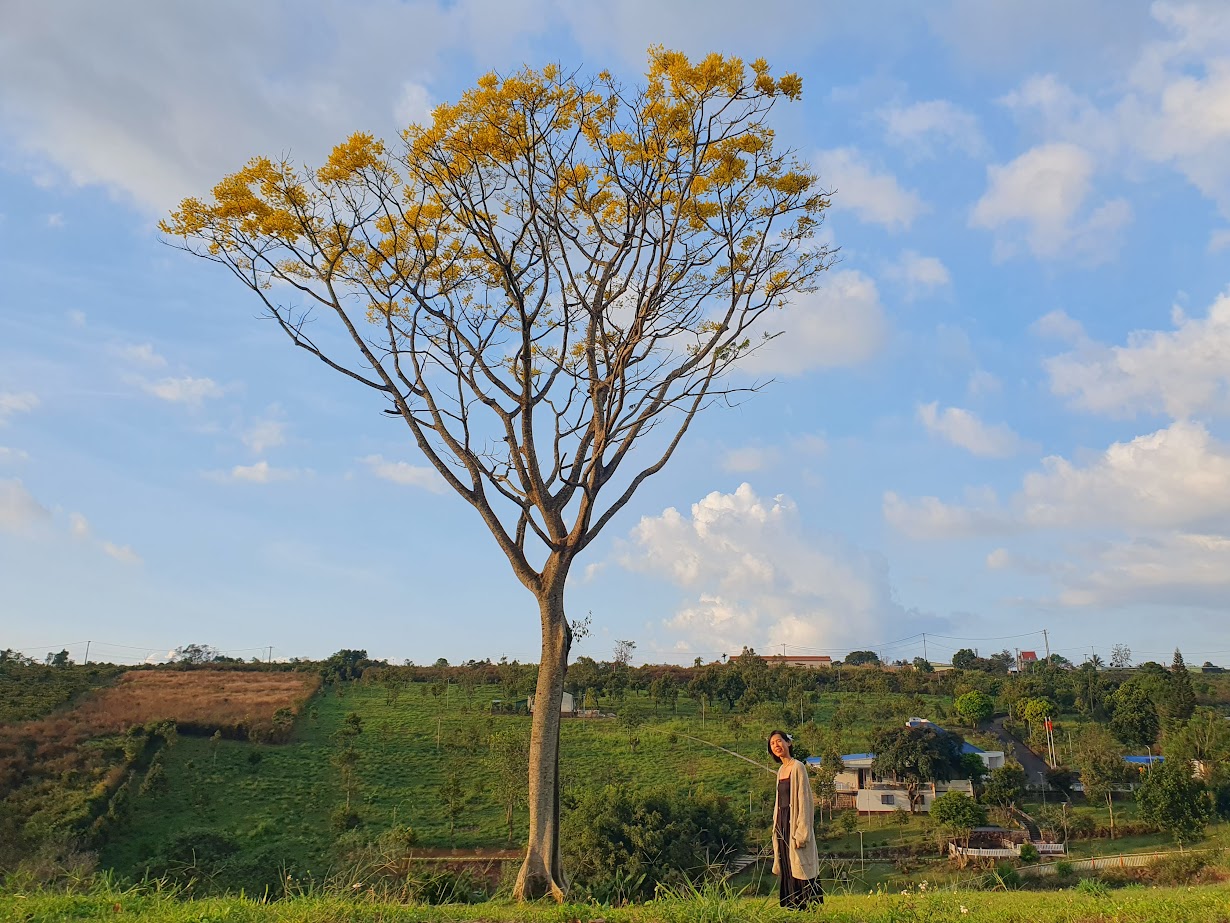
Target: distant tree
[1120, 657]
[1004, 786]
[923, 665]
[958, 815]
[632, 715]
[195, 653]
[858, 658]
[1175, 802]
[1095, 661]
[914, 755]
[347, 762]
[1101, 766]
[455, 797]
[215, 741]
[507, 771]
[1134, 720]
[664, 691]
[974, 707]
[1180, 700]
[1203, 739]
[60, 660]
[343, 666]
[972, 768]
[964, 659]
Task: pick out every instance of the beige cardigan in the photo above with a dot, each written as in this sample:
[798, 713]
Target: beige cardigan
[804, 863]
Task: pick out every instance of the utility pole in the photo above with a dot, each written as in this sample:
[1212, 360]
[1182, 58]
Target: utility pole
[925, 647]
[87, 653]
[269, 659]
[1047, 641]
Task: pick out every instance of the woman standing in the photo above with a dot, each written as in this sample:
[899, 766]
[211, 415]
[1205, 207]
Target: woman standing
[794, 836]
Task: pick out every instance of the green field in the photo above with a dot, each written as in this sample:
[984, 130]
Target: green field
[282, 804]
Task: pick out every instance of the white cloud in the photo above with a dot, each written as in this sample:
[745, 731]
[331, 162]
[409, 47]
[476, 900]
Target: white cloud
[1178, 568]
[122, 553]
[1219, 240]
[759, 578]
[1059, 326]
[14, 402]
[9, 455]
[76, 318]
[1175, 478]
[930, 518]
[963, 428]
[96, 117]
[1172, 108]
[186, 390]
[404, 473]
[55, 221]
[750, 458]
[19, 511]
[142, 354]
[1043, 191]
[920, 275]
[261, 473]
[413, 106]
[876, 198]
[265, 434]
[933, 126]
[1181, 372]
[840, 324]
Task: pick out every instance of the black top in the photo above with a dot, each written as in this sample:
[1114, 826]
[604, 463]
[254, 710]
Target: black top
[781, 825]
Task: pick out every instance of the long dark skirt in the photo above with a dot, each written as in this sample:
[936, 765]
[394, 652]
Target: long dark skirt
[796, 893]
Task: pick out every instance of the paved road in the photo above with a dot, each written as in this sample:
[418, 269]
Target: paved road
[1030, 761]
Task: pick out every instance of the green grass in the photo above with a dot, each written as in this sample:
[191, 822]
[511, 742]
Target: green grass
[1128, 905]
[28, 692]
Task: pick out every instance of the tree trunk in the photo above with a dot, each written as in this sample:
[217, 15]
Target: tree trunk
[541, 874]
[1110, 806]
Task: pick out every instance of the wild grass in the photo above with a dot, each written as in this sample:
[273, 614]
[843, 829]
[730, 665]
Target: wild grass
[712, 905]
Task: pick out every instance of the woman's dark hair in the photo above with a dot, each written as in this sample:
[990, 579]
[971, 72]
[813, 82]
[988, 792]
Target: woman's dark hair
[769, 743]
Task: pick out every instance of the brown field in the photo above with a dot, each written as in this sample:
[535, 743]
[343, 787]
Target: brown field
[198, 701]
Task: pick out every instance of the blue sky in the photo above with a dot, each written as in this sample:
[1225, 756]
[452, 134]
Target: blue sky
[1004, 411]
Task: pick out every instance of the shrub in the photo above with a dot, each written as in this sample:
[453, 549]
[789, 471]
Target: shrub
[344, 818]
[1029, 853]
[1177, 869]
[1093, 886]
[624, 844]
[1063, 868]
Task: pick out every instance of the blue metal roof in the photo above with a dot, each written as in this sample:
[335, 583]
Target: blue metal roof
[970, 748]
[817, 760]
[1143, 760]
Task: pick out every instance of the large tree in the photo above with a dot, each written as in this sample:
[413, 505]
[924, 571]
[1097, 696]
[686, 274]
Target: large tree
[914, 755]
[546, 285]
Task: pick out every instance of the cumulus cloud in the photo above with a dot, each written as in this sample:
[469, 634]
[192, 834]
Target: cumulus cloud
[1170, 110]
[11, 456]
[963, 428]
[1180, 372]
[399, 472]
[875, 197]
[1179, 568]
[19, 511]
[15, 402]
[919, 275]
[932, 127]
[1040, 196]
[186, 390]
[1058, 325]
[840, 324]
[758, 576]
[1175, 478]
[982, 382]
